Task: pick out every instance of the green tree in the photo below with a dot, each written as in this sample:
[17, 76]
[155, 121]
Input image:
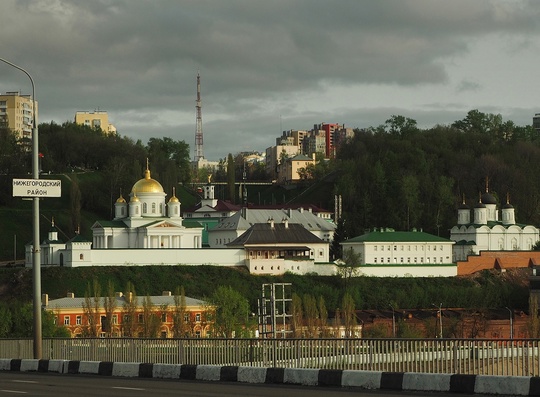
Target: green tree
[75, 204]
[349, 266]
[231, 311]
[5, 321]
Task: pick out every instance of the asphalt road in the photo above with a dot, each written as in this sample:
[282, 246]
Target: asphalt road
[45, 385]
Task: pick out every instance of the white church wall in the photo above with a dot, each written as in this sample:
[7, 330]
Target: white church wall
[172, 257]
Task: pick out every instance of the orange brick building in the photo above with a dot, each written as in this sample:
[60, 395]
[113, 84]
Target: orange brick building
[149, 320]
[498, 260]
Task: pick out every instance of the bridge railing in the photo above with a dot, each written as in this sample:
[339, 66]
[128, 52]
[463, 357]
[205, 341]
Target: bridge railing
[513, 357]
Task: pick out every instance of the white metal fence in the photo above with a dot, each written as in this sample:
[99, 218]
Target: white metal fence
[515, 357]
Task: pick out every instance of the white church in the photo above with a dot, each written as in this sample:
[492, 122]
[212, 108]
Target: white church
[149, 230]
[486, 231]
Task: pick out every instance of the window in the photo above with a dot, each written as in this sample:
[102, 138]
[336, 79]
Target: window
[375, 260]
[153, 208]
[115, 319]
[198, 317]
[126, 318]
[375, 248]
[78, 320]
[66, 320]
[186, 317]
[140, 318]
[395, 247]
[163, 317]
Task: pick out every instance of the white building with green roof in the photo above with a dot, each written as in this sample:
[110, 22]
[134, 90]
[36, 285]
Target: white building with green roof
[388, 253]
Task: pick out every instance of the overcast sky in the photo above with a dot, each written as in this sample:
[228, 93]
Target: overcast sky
[271, 65]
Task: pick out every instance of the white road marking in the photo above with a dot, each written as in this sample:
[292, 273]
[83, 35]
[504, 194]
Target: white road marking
[24, 381]
[13, 391]
[128, 388]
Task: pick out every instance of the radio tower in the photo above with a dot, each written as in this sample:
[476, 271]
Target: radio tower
[198, 133]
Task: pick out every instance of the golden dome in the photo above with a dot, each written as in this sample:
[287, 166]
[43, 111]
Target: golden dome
[134, 199]
[174, 199]
[120, 200]
[147, 185]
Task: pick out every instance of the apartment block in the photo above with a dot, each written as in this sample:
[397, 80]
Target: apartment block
[17, 113]
[97, 119]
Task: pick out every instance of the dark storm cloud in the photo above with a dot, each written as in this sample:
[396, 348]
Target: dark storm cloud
[135, 56]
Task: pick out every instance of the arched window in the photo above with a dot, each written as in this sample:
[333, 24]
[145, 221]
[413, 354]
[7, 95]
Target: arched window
[153, 208]
[81, 257]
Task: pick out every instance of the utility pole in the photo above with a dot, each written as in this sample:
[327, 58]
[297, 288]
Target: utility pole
[198, 132]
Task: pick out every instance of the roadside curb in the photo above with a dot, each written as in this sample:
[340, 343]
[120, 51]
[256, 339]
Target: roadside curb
[397, 381]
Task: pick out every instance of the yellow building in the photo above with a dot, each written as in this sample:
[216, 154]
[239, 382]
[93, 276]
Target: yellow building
[97, 119]
[17, 113]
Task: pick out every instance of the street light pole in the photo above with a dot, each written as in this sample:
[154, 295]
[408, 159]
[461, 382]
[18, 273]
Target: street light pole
[393, 321]
[36, 258]
[439, 311]
[511, 323]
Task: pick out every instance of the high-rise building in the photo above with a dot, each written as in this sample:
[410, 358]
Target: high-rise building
[17, 113]
[536, 121]
[98, 119]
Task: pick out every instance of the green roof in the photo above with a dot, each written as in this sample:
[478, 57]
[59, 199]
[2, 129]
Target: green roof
[396, 237]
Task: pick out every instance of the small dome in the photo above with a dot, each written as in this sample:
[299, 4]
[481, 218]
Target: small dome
[174, 199]
[147, 185]
[480, 205]
[488, 198]
[507, 206]
[120, 200]
[135, 199]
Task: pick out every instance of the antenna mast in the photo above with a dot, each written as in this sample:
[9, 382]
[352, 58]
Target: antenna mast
[198, 133]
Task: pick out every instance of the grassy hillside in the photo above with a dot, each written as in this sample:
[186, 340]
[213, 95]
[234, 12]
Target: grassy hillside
[485, 290]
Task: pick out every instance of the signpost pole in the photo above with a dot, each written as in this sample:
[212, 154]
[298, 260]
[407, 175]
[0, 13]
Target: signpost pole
[36, 257]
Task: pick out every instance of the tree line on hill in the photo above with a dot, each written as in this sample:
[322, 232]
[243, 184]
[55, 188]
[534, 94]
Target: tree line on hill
[394, 175]
[400, 176]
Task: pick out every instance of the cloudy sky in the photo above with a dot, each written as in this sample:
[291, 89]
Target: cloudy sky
[268, 66]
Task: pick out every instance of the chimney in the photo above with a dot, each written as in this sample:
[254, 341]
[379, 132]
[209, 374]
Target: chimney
[70, 295]
[271, 222]
[166, 293]
[45, 300]
[129, 297]
[286, 223]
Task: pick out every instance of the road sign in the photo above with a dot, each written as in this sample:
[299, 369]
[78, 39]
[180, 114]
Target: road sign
[37, 188]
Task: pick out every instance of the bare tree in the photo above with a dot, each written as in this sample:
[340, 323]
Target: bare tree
[179, 326]
[151, 321]
[109, 305]
[297, 316]
[323, 318]
[130, 311]
[349, 315]
[312, 315]
[91, 307]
